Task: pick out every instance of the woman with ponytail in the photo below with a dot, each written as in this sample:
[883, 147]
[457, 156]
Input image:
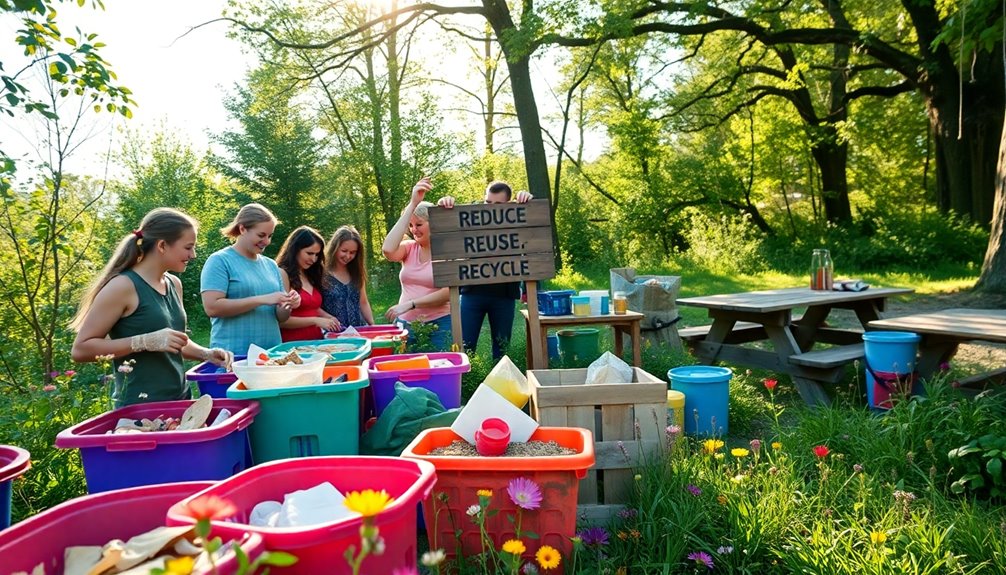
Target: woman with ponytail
[133, 311]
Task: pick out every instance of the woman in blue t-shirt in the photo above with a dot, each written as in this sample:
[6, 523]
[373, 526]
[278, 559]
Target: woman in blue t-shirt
[242, 289]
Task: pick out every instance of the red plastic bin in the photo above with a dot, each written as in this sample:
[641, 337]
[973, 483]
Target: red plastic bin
[459, 478]
[14, 461]
[374, 331]
[320, 548]
[130, 460]
[443, 381]
[212, 379]
[96, 520]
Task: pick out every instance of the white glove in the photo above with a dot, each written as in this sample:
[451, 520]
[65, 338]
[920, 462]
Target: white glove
[165, 339]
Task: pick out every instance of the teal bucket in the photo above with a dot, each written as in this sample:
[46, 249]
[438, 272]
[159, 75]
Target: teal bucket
[707, 397]
[578, 347]
[890, 366]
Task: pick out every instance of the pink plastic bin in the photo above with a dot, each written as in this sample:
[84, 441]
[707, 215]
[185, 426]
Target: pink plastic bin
[97, 519]
[443, 381]
[131, 460]
[320, 548]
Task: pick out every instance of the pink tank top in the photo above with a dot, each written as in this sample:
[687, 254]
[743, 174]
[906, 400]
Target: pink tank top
[417, 281]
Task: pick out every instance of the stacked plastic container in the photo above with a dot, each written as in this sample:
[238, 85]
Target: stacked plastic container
[14, 461]
[445, 381]
[320, 548]
[555, 302]
[116, 461]
[355, 356]
[212, 379]
[96, 520]
[307, 420]
[384, 339]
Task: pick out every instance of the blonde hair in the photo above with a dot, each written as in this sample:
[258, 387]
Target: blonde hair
[422, 210]
[248, 216]
[166, 224]
[358, 266]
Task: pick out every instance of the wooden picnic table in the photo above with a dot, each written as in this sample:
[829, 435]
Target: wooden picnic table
[627, 324]
[943, 331]
[767, 315]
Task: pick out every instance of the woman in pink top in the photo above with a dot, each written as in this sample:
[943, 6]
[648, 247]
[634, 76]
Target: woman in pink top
[420, 301]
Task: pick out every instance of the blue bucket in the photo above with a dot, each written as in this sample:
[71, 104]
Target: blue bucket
[707, 397]
[553, 347]
[890, 355]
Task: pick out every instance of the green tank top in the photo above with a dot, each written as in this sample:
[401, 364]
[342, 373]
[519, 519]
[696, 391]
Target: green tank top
[156, 375]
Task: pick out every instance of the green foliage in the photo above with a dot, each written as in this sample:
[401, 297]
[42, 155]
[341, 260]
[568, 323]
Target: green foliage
[981, 463]
[729, 244]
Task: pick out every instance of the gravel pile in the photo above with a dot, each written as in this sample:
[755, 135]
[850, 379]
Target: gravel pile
[461, 448]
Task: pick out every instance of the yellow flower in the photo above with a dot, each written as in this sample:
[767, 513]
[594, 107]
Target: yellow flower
[485, 492]
[739, 452]
[776, 445]
[738, 478]
[548, 557]
[711, 445]
[368, 502]
[514, 546]
[179, 566]
[721, 499]
[877, 537]
[718, 456]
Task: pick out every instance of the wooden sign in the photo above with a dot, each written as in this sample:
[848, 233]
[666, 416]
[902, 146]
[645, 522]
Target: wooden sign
[491, 243]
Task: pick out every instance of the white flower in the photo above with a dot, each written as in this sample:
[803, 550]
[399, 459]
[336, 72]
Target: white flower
[473, 510]
[125, 368]
[433, 558]
[143, 395]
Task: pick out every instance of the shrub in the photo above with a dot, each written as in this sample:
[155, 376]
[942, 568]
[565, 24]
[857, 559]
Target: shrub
[728, 244]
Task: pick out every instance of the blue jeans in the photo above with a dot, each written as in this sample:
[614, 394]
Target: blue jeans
[440, 339]
[474, 309]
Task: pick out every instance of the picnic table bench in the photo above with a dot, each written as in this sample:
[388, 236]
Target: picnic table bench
[768, 316]
[942, 333]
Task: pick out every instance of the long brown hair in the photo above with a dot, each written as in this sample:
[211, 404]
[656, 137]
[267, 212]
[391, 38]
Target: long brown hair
[300, 238]
[357, 266]
[166, 224]
[248, 216]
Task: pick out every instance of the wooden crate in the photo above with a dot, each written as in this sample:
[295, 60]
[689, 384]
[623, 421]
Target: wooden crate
[633, 413]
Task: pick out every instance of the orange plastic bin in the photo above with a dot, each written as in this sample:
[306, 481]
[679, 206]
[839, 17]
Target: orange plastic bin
[459, 478]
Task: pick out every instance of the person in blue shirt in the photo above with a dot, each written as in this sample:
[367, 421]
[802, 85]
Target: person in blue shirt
[242, 289]
[493, 300]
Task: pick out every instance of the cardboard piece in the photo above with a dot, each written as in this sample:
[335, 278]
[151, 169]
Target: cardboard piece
[485, 403]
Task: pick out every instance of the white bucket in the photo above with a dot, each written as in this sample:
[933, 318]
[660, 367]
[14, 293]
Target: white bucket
[595, 300]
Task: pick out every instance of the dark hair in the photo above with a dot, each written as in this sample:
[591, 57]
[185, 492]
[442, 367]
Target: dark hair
[358, 266]
[165, 224]
[499, 186]
[248, 216]
[300, 238]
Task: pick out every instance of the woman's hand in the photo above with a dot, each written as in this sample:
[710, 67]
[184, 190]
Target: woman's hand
[164, 339]
[397, 310]
[277, 298]
[293, 299]
[419, 190]
[219, 356]
[327, 323]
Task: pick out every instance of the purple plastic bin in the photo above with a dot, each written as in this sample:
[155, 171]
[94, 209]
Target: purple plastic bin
[443, 381]
[14, 461]
[212, 379]
[133, 459]
[97, 519]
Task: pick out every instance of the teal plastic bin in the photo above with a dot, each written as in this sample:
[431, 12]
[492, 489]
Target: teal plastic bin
[355, 356]
[578, 347]
[309, 420]
[707, 397]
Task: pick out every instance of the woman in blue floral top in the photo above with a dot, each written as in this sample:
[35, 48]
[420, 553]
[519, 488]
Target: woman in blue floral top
[346, 294]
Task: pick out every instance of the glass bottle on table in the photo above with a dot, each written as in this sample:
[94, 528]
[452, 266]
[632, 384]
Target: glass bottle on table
[816, 261]
[829, 270]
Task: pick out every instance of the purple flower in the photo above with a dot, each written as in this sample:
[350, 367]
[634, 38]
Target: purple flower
[594, 536]
[693, 490]
[701, 558]
[627, 513]
[524, 493]
[945, 366]
[53, 374]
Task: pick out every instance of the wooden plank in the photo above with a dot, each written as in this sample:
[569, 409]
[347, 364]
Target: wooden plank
[608, 456]
[552, 417]
[537, 353]
[625, 320]
[995, 376]
[602, 394]
[493, 270]
[490, 216]
[597, 514]
[786, 299]
[838, 336]
[652, 420]
[962, 324]
[741, 329]
[584, 417]
[456, 319]
[757, 358]
[488, 243]
[616, 422]
[831, 357]
[776, 318]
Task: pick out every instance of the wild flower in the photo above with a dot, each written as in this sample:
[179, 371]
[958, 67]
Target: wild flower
[712, 445]
[857, 468]
[821, 451]
[529, 569]
[514, 547]
[945, 366]
[628, 513]
[473, 510]
[721, 499]
[484, 492]
[878, 537]
[433, 558]
[69, 373]
[738, 478]
[770, 384]
[773, 470]
[625, 452]
[739, 452]
[209, 508]
[724, 550]
[701, 558]
[368, 502]
[755, 445]
[776, 445]
[694, 490]
[548, 557]
[593, 536]
[53, 374]
[524, 493]
[179, 566]
[49, 387]
[673, 430]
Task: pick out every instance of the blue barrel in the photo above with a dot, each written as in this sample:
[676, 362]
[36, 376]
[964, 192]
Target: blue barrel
[707, 397]
[14, 461]
[891, 356]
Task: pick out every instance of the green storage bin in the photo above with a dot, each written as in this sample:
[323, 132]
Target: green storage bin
[309, 420]
[578, 347]
[350, 357]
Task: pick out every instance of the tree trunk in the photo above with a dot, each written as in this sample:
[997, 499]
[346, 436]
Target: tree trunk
[832, 158]
[993, 278]
[395, 171]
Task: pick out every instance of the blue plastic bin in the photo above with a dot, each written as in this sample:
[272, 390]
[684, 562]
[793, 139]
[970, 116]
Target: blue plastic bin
[116, 461]
[890, 355]
[707, 397]
[555, 302]
[14, 461]
[212, 379]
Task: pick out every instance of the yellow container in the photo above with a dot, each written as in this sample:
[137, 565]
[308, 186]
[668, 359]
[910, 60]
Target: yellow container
[676, 408]
[512, 390]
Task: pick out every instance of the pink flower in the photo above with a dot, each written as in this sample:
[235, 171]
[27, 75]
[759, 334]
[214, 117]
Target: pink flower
[821, 451]
[756, 445]
[69, 373]
[524, 493]
[49, 387]
[770, 384]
